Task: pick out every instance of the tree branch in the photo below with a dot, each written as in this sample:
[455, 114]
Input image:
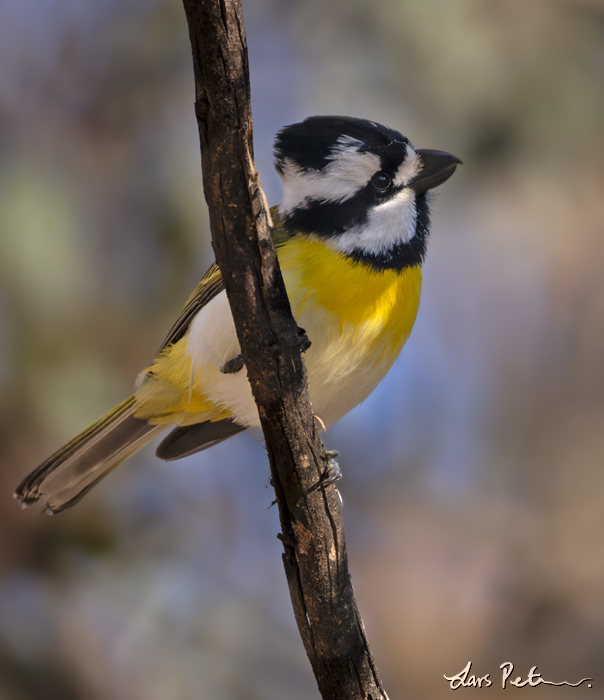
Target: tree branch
[315, 557]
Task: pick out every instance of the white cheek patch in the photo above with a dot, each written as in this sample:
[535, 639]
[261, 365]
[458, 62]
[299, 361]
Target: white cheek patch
[388, 225]
[408, 169]
[347, 174]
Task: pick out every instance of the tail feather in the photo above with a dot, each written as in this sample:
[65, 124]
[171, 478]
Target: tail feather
[73, 470]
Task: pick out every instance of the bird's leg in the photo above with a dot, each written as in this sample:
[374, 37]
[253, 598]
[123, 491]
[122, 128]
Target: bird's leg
[236, 364]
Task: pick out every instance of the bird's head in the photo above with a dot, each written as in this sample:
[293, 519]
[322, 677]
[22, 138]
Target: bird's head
[360, 186]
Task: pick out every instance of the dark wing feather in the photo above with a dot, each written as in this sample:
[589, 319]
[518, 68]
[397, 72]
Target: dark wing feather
[210, 286]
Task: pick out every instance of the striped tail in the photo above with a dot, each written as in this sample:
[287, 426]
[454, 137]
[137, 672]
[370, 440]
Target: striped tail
[71, 472]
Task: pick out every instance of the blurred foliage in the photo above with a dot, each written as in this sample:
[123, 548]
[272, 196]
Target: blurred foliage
[473, 481]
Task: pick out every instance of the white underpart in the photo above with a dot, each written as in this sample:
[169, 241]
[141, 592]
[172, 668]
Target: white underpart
[388, 225]
[347, 173]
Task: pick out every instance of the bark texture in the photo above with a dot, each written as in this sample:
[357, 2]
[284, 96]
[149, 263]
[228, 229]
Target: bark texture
[312, 531]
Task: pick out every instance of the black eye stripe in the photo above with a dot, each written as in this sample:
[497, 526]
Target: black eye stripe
[329, 220]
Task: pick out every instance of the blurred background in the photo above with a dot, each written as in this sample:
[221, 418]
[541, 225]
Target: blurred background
[474, 476]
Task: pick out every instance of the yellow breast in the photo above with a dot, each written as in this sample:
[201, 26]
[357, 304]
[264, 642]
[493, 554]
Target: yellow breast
[357, 318]
[381, 303]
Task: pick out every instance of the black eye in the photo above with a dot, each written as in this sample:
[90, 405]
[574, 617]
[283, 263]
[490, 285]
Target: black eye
[381, 181]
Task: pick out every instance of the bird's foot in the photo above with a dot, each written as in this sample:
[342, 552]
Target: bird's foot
[332, 472]
[303, 340]
[233, 366]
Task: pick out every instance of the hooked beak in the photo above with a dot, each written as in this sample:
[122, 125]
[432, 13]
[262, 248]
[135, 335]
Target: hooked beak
[437, 167]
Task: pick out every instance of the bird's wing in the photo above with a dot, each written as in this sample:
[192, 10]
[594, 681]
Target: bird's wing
[210, 286]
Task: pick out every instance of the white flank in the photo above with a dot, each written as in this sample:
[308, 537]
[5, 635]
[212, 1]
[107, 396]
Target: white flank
[212, 342]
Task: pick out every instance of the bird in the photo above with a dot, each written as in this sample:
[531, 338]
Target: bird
[350, 233]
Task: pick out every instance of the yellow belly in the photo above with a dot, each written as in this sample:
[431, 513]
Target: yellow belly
[357, 319]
